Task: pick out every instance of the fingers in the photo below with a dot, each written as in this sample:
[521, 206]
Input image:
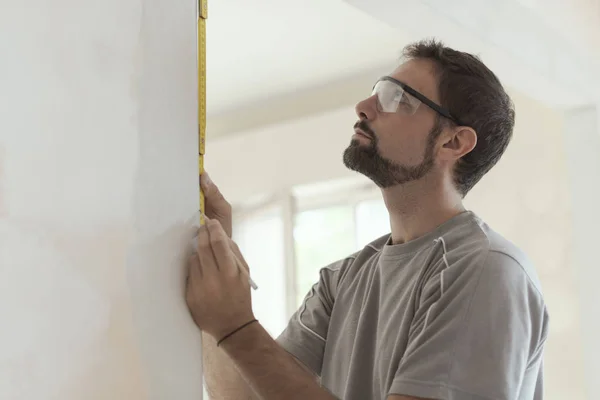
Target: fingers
[209, 189]
[206, 258]
[219, 254]
[205, 180]
[194, 274]
[239, 257]
[219, 242]
[242, 264]
[194, 267]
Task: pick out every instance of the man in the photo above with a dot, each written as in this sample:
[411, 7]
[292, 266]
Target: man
[442, 308]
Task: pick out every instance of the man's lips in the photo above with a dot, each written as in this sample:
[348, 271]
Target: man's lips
[362, 133]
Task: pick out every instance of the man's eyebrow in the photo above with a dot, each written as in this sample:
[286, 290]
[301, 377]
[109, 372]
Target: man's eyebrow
[404, 84]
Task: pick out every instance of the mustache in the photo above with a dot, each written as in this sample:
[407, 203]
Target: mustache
[364, 126]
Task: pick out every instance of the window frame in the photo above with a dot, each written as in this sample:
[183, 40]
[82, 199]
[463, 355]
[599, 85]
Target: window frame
[291, 201]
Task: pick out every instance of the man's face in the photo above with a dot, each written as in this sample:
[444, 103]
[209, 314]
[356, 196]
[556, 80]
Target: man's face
[399, 146]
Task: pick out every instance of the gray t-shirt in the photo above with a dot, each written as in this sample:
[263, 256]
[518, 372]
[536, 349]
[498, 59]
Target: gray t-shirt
[455, 314]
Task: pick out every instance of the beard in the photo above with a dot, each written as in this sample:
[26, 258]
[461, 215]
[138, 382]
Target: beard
[385, 173]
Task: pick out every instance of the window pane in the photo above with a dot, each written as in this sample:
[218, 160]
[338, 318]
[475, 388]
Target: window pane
[260, 239]
[372, 221]
[321, 237]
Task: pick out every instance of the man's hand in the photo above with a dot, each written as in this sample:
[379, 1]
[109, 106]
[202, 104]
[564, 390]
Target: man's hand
[216, 206]
[218, 291]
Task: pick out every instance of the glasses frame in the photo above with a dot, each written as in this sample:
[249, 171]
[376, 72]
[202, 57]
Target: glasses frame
[422, 98]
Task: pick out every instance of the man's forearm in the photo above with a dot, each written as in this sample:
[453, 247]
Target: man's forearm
[271, 372]
[222, 378]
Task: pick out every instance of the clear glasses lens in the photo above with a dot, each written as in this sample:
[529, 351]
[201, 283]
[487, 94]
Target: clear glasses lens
[392, 98]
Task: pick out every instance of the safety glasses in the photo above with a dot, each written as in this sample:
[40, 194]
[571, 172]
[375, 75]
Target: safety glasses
[395, 96]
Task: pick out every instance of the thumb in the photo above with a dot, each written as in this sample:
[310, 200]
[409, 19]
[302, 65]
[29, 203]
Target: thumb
[208, 187]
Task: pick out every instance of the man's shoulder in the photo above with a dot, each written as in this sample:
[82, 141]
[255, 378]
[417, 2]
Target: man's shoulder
[483, 247]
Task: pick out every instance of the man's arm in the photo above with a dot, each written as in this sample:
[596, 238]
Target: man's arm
[223, 381]
[270, 370]
[218, 296]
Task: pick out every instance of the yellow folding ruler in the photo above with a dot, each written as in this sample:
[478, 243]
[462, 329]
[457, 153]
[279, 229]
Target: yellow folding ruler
[202, 15]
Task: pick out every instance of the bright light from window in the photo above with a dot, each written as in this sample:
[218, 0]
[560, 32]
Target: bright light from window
[260, 239]
[321, 237]
[372, 221]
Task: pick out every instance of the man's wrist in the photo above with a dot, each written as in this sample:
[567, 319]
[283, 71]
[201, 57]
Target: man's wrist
[243, 338]
[269, 369]
[236, 331]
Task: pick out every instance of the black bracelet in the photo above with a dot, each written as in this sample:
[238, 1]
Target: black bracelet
[241, 327]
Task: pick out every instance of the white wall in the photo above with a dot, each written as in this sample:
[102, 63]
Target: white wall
[275, 157]
[98, 174]
[582, 144]
[526, 197]
[98, 178]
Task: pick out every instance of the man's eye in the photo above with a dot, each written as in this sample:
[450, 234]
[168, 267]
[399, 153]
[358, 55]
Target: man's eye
[399, 98]
[405, 100]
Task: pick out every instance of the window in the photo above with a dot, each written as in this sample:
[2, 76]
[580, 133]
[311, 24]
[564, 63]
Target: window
[372, 221]
[321, 236]
[261, 242]
[328, 234]
[319, 225]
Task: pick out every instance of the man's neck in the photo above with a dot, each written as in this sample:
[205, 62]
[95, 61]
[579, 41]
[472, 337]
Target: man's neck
[417, 208]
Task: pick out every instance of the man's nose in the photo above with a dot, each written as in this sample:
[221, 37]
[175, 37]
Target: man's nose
[367, 108]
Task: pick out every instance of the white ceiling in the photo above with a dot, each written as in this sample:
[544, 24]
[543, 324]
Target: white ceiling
[262, 48]
[261, 54]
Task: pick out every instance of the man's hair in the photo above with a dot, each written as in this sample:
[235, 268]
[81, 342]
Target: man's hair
[475, 96]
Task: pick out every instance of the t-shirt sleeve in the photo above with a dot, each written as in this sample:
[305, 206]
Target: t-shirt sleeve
[479, 327]
[306, 333]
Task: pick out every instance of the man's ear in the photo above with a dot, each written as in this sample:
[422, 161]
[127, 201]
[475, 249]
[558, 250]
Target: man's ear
[457, 142]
